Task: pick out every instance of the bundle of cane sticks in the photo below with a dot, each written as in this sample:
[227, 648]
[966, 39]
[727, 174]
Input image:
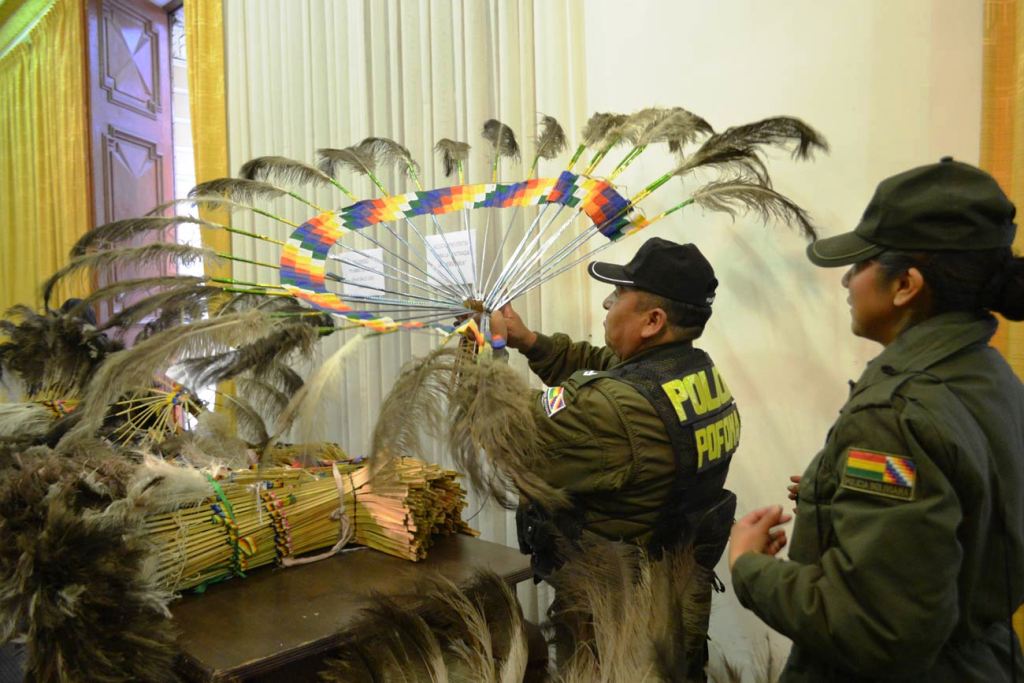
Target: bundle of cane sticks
[276, 515]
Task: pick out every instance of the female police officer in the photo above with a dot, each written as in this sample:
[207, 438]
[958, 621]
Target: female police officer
[907, 559]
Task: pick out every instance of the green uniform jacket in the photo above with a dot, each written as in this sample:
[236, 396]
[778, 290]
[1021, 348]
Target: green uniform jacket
[903, 574]
[606, 446]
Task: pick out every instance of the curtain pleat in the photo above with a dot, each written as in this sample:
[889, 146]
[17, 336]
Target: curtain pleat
[1002, 145]
[314, 73]
[45, 199]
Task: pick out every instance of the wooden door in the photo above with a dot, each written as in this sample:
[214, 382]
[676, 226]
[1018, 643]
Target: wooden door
[130, 103]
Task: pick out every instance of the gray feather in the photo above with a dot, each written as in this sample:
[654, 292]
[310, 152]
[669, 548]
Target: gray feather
[733, 196]
[551, 140]
[238, 189]
[600, 125]
[502, 139]
[120, 231]
[282, 169]
[452, 152]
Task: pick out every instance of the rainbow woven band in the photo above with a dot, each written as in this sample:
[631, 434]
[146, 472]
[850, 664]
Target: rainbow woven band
[304, 257]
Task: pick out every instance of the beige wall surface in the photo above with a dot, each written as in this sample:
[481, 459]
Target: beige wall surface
[890, 84]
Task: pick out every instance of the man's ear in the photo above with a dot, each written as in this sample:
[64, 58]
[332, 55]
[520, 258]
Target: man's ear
[909, 287]
[657, 320]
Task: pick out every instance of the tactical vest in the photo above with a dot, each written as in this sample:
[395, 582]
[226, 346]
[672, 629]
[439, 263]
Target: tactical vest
[703, 426]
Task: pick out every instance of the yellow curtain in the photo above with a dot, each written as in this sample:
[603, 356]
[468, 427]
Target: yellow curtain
[1002, 144]
[45, 197]
[204, 48]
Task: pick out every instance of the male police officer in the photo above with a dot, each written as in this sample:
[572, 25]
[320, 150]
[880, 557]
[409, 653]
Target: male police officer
[641, 432]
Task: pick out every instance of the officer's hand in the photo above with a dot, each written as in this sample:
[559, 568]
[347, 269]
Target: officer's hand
[757, 532]
[794, 488]
[507, 323]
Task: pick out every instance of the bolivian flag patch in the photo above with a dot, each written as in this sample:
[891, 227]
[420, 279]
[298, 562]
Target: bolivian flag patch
[881, 474]
[554, 400]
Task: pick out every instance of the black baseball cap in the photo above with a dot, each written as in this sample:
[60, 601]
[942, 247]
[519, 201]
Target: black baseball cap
[675, 271]
[948, 206]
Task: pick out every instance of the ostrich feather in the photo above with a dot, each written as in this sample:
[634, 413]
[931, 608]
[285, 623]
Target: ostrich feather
[204, 201]
[187, 301]
[161, 486]
[452, 152]
[676, 126]
[282, 169]
[282, 342]
[600, 125]
[502, 139]
[109, 234]
[157, 253]
[134, 368]
[53, 354]
[779, 131]
[477, 406]
[250, 422]
[733, 196]
[238, 189]
[305, 405]
[388, 152]
[354, 158]
[29, 420]
[741, 161]
[551, 140]
[459, 633]
[146, 284]
[263, 396]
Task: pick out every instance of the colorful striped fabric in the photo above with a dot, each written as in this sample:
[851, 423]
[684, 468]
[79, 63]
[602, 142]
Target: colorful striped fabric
[888, 469]
[304, 257]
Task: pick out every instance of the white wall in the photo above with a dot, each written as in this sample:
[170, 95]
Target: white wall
[891, 83]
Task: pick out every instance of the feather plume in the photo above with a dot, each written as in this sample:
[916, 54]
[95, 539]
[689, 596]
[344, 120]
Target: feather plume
[261, 354]
[740, 161]
[779, 131]
[106, 235]
[628, 617]
[677, 126]
[157, 253]
[134, 368]
[250, 422]
[469, 633]
[388, 152]
[25, 420]
[176, 304]
[263, 395]
[486, 409]
[238, 189]
[733, 196]
[502, 139]
[600, 125]
[452, 152]
[354, 158]
[206, 201]
[551, 140]
[305, 405]
[123, 287]
[53, 354]
[161, 486]
[282, 169]
[211, 445]
[75, 564]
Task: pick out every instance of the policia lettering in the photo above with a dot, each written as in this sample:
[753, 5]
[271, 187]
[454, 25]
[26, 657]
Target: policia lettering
[696, 395]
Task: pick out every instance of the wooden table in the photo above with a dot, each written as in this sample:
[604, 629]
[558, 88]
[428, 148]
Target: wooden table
[277, 624]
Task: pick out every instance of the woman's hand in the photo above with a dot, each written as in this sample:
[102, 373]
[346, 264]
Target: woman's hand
[757, 532]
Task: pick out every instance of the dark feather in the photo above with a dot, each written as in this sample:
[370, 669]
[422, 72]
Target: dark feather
[651, 125]
[237, 189]
[502, 139]
[255, 357]
[487, 408]
[600, 125]
[779, 131]
[551, 140]
[282, 169]
[387, 152]
[249, 420]
[697, 125]
[179, 303]
[206, 201]
[104, 236]
[734, 196]
[146, 284]
[330, 161]
[53, 354]
[452, 152]
[157, 253]
[742, 161]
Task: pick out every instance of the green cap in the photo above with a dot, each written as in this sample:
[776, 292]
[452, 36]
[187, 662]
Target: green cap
[948, 206]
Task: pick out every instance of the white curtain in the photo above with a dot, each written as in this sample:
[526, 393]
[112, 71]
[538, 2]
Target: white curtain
[306, 74]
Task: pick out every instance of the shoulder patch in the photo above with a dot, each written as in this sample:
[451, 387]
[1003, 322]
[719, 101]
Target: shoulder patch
[553, 400]
[880, 474]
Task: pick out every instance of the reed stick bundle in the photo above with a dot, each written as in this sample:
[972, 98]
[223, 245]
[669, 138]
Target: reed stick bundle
[256, 517]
